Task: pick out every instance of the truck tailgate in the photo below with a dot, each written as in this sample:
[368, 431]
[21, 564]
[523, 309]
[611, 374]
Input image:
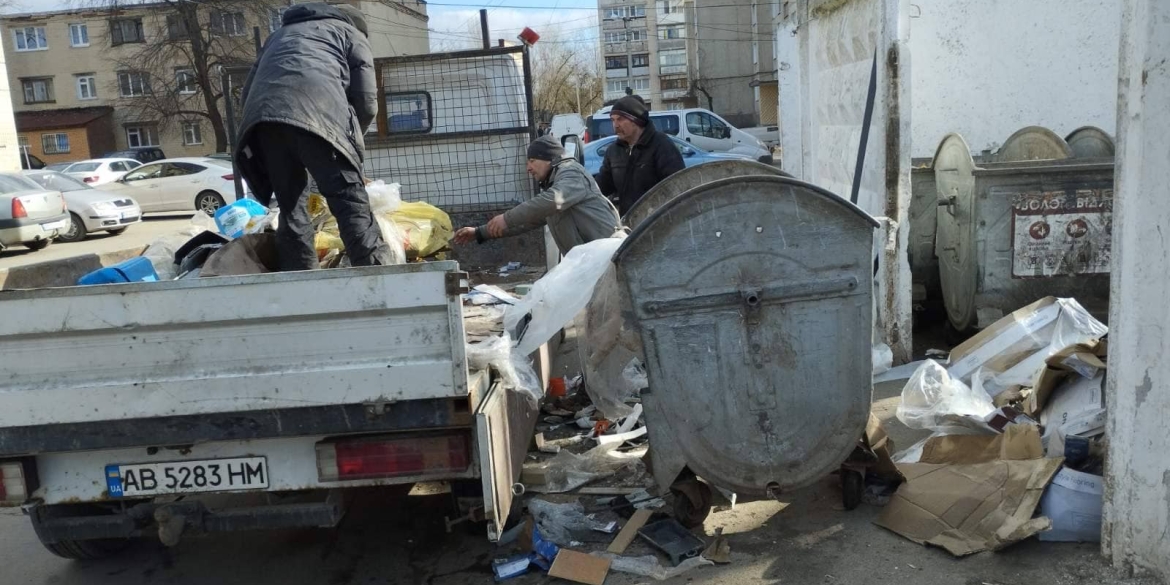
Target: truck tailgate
[231, 344]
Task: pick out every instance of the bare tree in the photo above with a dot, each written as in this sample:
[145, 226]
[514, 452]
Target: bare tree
[173, 72]
[565, 76]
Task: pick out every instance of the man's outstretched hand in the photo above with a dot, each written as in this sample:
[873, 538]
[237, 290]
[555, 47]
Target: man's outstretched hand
[465, 236]
[497, 226]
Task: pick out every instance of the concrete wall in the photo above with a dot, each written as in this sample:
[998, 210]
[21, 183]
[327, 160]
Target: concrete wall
[79, 146]
[1137, 482]
[986, 68]
[396, 28]
[824, 77]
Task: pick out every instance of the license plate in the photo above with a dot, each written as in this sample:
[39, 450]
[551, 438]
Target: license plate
[184, 477]
[56, 225]
[129, 215]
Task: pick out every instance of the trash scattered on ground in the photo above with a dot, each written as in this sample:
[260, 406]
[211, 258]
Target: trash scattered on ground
[629, 532]
[901, 372]
[648, 566]
[510, 267]
[487, 294]
[509, 567]
[937, 354]
[580, 567]
[569, 471]
[564, 523]
[514, 368]
[248, 254]
[245, 216]
[883, 358]
[934, 400]
[719, 551]
[673, 539]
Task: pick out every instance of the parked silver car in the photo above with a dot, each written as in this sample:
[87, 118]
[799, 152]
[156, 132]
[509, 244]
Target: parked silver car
[29, 214]
[90, 210]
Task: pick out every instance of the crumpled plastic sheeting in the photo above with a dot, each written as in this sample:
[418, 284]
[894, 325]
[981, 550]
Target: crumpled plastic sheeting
[610, 349]
[557, 522]
[161, 252]
[933, 400]
[557, 298]
[569, 471]
[883, 359]
[648, 566]
[515, 369]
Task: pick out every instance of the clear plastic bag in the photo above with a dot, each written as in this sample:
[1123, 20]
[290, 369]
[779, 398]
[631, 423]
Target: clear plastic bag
[393, 238]
[515, 369]
[557, 298]
[558, 522]
[384, 198]
[883, 359]
[933, 400]
[609, 347]
[569, 471]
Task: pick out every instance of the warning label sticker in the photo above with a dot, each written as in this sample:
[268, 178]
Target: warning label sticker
[1061, 233]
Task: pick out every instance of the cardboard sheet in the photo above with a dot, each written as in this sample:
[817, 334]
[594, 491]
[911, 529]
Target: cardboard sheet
[967, 508]
[580, 567]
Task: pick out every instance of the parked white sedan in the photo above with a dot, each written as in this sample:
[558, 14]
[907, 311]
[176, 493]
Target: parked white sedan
[90, 210]
[99, 171]
[179, 184]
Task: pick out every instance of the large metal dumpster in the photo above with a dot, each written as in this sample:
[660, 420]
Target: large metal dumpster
[1033, 222]
[753, 300]
[692, 177]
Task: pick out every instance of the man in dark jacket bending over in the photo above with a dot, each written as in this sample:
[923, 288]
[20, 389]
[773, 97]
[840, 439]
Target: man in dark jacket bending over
[569, 202]
[639, 159]
[307, 102]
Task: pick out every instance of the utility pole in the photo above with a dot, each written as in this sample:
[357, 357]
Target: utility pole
[578, 84]
[483, 28]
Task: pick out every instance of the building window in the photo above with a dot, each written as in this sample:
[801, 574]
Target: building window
[55, 143]
[192, 134]
[275, 18]
[176, 27]
[133, 84]
[185, 81]
[620, 12]
[668, 7]
[671, 32]
[37, 91]
[79, 35]
[672, 58]
[146, 135]
[86, 86]
[615, 37]
[615, 86]
[408, 112]
[641, 84]
[616, 62]
[126, 30]
[30, 38]
[641, 60]
[680, 83]
[638, 34]
[230, 24]
[675, 106]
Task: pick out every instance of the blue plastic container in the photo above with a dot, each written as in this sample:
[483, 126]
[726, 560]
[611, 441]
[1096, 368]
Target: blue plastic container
[133, 270]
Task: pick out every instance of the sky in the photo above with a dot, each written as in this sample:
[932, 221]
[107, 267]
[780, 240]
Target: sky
[454, 24]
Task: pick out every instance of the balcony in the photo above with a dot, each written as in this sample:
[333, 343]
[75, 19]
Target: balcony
[640, 71]
[615, 95]
[674, 94]
[672, 69]
[617, 73]
[623, 48]
[669, 44]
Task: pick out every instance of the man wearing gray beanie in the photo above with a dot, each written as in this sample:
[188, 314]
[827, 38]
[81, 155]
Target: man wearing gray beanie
[569, 202]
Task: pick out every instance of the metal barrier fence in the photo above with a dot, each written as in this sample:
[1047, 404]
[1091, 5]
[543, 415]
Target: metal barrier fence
[452, 128]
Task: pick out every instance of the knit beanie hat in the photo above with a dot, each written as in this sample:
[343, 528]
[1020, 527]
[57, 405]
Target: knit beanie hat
[632, 107]
[355, 17]
[546, 148]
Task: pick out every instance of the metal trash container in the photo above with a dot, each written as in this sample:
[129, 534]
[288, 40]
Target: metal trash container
[1035, 221]
[753, 298]
[692, 177]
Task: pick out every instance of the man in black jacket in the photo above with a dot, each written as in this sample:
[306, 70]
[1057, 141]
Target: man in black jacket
[307, 102]
[641, 157]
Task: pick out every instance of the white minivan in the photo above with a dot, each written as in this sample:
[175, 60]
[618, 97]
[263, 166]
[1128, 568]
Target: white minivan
[567, 124]
[700, 127]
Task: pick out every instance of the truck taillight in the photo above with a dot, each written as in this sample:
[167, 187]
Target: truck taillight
[18, 210]
[13, 485]
[388, 456]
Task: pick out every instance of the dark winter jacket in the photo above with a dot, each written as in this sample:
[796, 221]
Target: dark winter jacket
[628, 172]
[316, 72]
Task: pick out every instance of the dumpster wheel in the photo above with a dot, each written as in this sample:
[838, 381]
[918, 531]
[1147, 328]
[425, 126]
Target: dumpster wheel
[852, 487]
[692, 501]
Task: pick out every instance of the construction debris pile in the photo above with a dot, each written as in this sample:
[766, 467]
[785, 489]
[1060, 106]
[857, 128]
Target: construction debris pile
[1018, 421]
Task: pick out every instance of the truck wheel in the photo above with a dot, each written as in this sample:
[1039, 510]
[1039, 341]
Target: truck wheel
[852, 488]
[692, 502]
[75, 549]
[37, 245]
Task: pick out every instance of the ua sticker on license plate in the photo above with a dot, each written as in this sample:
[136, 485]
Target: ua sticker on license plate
[183, 477]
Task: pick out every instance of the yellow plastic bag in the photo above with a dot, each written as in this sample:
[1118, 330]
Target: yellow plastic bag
[426, 229]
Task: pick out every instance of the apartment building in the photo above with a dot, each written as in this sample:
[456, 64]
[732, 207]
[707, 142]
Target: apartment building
[88, 81]
[677, 54]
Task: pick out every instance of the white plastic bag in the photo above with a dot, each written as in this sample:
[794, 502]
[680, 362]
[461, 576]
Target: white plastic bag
[569, 471]
[561, 294]
[883, 359]
[558, 522]
[393, 238]
[384, 198]
[648, 566]
[933, 400]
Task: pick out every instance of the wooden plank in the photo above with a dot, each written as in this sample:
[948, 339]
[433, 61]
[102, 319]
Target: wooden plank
[580, 567]
[629, 531]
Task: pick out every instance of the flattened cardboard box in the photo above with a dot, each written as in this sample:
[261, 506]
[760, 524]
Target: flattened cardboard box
[973, 507]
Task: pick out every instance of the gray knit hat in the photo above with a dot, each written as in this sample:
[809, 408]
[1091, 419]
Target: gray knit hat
[546, 148]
